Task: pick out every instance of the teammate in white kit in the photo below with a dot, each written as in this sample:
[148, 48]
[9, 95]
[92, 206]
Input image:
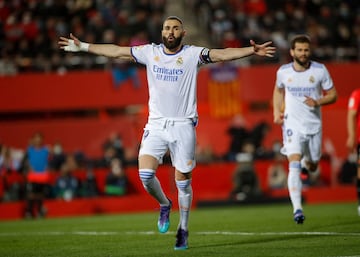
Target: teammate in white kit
[301, 88]
[171, 73]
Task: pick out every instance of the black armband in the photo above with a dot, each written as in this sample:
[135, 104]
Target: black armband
[205, 55]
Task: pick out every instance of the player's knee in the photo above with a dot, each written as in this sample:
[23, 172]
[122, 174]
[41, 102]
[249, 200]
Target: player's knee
[146, 176]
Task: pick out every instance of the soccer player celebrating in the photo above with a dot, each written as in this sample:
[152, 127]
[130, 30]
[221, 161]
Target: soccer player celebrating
[171, 74]
[297, 99]
[353, 138]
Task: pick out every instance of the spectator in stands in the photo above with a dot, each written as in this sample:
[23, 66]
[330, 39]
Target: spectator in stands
[88, 186]
[108, 154]
[8, 159]
[277, 176]
[7, 65]
[246, 184]
[297, 107]
[270, 153]
[116, 181]
[36, 166]
[172, 75]
[204, 154]
[348, 170]
[245, 179]
[115, 141]
[12, 179]
[58, 157]
[66, 185]
[258, 134]
[80, 159]
[238, 133]
[353, 131]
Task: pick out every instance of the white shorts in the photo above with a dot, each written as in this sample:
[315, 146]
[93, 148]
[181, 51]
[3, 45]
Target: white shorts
[308, 146]
[176, 135]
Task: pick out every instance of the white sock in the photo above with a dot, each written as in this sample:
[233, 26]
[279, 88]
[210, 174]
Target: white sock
[185, 195]
[152, 186]
[295, 184]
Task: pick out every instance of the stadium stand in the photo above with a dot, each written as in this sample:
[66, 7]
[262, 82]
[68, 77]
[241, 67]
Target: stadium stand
[28, 26]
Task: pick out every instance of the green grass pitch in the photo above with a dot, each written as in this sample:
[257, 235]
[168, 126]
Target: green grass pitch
[261, 230]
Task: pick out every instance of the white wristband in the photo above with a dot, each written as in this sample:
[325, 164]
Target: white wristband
[84, 46]
[71, 47]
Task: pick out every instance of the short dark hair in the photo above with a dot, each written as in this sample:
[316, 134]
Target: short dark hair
[174, 18]
[299, 39]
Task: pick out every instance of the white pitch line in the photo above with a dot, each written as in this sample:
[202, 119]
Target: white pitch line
[280, 233]
[228, 233]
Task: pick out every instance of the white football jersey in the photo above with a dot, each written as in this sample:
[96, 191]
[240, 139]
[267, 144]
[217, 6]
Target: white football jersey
[171, 79]
[311, 82]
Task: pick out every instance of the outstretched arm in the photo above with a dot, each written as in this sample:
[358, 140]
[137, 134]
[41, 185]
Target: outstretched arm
[228, 54]
[73, 44]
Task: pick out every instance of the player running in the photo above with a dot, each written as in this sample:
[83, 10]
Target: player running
[297, 98]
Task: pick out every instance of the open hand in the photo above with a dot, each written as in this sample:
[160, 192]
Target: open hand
[71, 44]
[264, 49]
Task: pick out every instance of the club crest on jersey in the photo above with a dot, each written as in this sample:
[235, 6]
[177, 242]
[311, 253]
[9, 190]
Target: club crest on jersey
[156, 58]
[179, 61]
[311, 79]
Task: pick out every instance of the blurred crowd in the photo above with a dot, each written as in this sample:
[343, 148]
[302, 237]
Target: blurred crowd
[46, 171]
[30, 28]
[334, 26]
[30, 31]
